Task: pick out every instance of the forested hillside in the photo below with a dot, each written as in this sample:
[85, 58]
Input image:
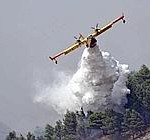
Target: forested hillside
[80, 125]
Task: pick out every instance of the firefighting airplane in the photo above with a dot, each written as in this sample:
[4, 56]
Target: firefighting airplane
[84, 40]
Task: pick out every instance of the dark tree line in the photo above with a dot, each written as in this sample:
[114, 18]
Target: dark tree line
[85, 126]
[139, 99]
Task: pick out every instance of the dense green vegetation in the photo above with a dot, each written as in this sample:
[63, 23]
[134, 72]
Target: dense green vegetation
[88, 125]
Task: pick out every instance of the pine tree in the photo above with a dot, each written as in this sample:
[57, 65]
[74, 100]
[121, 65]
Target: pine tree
[108, 121]
[70, 125]
[49, 132]
[58, 130]
[95, 120]
[81, 124]
[11, 136]
[112, 122]
[132, 123]
[30, 136]
[21, 137]
[40, 138]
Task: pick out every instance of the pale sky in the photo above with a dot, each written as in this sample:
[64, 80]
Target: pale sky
[31, 30]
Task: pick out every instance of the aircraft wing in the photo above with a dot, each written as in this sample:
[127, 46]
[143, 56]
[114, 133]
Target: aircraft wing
[84, 41]
[66, 51]
[74, 46]
[99, 31]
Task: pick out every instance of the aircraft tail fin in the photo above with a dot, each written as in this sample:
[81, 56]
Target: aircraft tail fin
[53, 59]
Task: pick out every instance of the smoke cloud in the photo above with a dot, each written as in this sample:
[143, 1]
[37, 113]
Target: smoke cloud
[99, 83]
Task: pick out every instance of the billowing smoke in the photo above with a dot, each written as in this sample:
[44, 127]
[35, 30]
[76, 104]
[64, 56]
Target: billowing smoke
[99, 83]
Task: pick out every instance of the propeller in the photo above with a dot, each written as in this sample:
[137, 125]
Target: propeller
[79, 38]
[95, 28]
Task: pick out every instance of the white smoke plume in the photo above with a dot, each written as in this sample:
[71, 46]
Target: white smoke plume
[99, 83]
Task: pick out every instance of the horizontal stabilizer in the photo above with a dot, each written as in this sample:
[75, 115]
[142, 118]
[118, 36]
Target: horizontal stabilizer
[53, 59]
